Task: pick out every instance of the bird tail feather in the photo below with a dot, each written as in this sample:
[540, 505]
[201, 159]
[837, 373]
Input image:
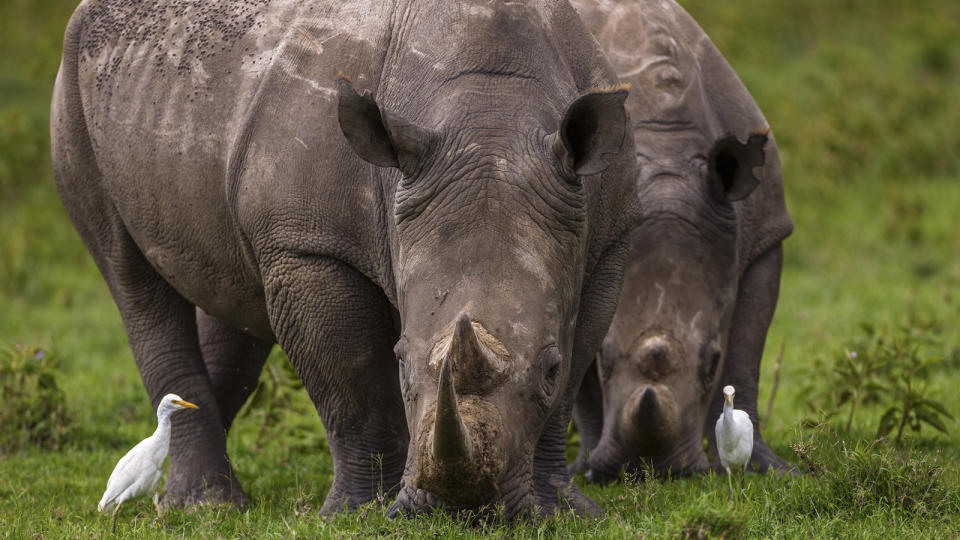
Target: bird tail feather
[105, 505]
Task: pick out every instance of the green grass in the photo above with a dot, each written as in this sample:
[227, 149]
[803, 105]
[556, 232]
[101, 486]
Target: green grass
[863, 96]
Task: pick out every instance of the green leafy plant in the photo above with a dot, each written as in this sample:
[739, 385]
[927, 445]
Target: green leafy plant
[888, 368]
[859, 375]
[856, 377]
[906, 383]
[34, 410]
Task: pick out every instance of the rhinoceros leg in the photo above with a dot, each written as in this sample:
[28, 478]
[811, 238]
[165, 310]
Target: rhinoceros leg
[756, 302]
[234, 360]
[161, 327]
[337, 328]
[160, 324]
[551, 476]
[552, 482]
[588, 416]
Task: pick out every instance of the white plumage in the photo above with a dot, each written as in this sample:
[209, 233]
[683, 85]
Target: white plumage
[734, 437]
[138, 473]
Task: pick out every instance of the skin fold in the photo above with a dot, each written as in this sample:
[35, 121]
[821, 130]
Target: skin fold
[703, 275]
[425, 204]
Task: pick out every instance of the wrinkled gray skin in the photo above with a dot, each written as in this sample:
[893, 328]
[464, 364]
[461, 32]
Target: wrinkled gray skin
[704, 271]
[466, 227]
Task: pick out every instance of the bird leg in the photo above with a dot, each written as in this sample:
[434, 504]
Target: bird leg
[730, 484]
[156, 506]
[113, 530]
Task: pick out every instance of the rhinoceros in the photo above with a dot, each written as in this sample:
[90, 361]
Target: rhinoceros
[424, 203]
[703, 277]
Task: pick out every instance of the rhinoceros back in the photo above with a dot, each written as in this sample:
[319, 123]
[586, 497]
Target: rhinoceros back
[175, 95]
[680, 81]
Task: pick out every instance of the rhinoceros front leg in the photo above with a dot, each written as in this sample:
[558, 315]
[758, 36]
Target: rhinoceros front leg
[551, 478]
[756, 302]
[337, 328]
[598, 303]
[588, 416]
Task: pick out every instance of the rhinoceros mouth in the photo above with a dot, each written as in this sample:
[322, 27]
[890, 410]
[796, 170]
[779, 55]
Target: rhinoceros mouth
[641, 469]
[514, 497]
[678, 459]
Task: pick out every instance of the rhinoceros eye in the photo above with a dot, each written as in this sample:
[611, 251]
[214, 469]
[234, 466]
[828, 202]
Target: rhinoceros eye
[550, 364]
[398, 352]
[710, 365]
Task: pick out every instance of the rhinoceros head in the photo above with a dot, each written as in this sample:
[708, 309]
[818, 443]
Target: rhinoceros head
[662, 357]
[490, 234]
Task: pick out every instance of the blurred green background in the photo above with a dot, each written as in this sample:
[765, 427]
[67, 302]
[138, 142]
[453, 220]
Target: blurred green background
[864, 98]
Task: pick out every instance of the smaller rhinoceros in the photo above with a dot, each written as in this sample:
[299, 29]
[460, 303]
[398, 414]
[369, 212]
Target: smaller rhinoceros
[703, 277]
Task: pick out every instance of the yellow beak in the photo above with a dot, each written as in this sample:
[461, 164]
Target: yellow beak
[186, 404]
[729, 399]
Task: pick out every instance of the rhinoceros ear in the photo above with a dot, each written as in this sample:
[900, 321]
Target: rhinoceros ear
[377, 136]
[593, 126]
[731, 165]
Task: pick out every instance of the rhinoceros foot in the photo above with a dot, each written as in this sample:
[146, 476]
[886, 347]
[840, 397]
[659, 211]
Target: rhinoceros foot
[764, 459]
[579, 465]
[186, 489]
[571, 499]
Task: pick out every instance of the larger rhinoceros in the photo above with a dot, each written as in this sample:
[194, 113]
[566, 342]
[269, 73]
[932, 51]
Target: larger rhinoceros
[463, 225]
[702, 282]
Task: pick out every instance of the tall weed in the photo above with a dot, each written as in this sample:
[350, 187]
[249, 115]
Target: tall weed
[33, 410]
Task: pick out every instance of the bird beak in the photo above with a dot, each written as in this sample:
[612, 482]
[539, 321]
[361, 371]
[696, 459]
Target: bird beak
[185, 404]
[729, 399]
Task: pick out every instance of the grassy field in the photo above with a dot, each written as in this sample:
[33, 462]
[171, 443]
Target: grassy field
[864, 96]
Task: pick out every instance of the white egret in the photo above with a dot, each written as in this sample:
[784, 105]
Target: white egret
[138, 472]
[734, 437]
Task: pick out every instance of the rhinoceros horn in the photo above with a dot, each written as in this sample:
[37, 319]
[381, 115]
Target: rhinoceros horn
[451, 441]
[650, 422]
[648, 411]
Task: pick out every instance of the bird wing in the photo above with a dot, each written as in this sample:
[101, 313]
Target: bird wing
[145, 484]
[722, 442]
[735, 442]
[742, 419]
[124, 464]
[124, 481]
[744, 441]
